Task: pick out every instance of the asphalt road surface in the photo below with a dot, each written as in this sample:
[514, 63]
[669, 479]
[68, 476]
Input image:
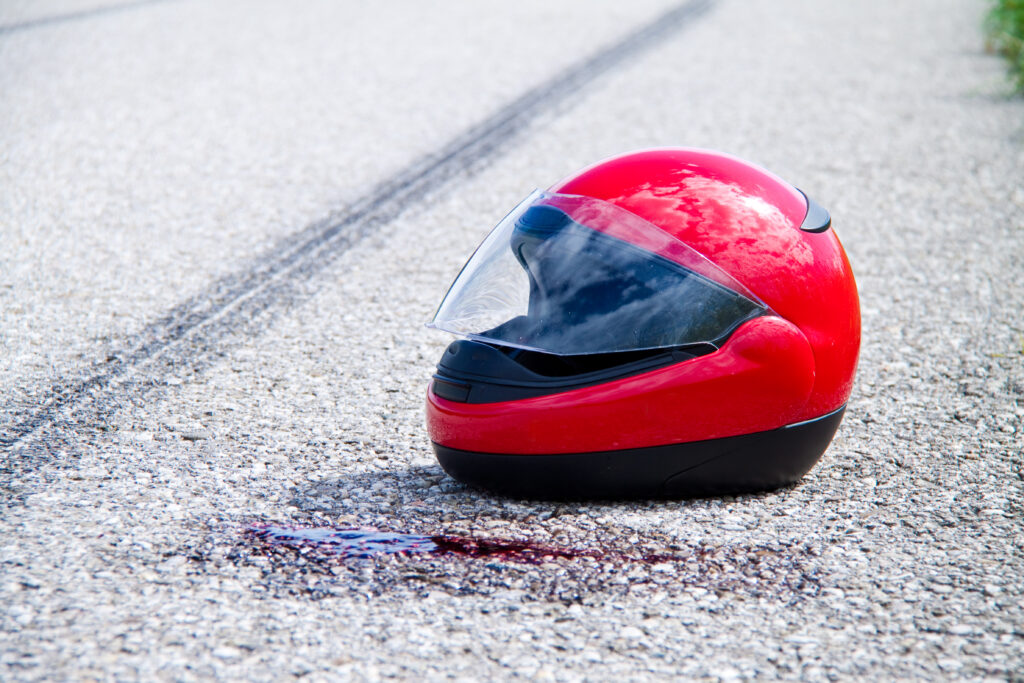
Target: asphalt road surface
[223, 225]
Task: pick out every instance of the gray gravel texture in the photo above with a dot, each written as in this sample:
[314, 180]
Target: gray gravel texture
[147, 153]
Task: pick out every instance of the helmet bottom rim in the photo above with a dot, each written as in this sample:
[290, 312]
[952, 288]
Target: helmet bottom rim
[747, 463]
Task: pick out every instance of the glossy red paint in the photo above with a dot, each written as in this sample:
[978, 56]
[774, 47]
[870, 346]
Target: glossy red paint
[759, 380]
[746, 220]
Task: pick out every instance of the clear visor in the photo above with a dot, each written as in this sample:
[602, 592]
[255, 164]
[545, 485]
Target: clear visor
[572, 275]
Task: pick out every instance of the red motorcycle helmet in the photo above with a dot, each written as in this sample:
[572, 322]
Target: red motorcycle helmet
[665, 323]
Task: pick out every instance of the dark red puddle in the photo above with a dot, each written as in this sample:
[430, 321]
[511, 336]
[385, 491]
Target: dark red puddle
[364, 544]
[306, 559]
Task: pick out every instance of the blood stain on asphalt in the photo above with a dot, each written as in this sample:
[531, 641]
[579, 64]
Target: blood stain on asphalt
[346, 544]
[323, 560]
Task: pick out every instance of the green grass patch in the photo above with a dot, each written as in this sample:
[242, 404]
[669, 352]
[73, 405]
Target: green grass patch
[1005, 30]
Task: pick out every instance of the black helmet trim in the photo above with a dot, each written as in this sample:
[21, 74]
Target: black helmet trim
[474, 372]
[817, 218]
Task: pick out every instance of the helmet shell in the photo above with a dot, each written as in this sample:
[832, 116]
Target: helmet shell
[781, 379]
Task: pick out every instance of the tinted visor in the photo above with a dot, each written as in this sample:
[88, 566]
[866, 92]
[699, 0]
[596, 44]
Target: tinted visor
[574, 275]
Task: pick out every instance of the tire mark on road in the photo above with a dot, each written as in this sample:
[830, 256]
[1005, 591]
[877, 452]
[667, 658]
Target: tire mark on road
[239, 306]
[76, 16]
